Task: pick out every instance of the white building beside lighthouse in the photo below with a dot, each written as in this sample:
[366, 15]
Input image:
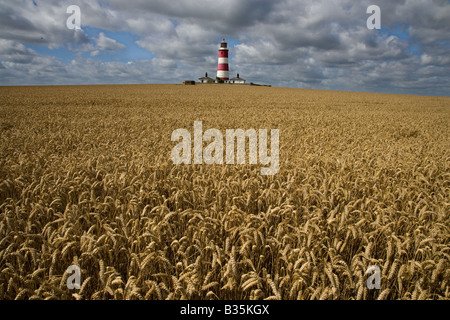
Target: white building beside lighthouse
[237, 80]
[206, 79]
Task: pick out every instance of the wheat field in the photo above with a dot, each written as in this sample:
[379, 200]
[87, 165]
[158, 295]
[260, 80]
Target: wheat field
[86, 179]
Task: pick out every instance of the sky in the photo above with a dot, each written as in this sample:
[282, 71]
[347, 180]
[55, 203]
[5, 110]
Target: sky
[313, 44]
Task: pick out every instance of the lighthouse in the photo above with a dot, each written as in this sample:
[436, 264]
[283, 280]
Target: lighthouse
[222, 67]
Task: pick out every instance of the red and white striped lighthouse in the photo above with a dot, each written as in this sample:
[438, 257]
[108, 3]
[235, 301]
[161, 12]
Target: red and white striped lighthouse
[222, 67]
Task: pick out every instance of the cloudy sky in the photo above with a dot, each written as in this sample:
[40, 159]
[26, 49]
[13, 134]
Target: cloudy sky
[291, 43]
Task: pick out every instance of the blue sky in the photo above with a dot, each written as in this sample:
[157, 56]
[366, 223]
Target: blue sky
[402, 33]
[303, 44]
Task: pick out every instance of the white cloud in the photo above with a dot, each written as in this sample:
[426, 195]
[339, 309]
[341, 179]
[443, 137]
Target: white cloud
[105, 43]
